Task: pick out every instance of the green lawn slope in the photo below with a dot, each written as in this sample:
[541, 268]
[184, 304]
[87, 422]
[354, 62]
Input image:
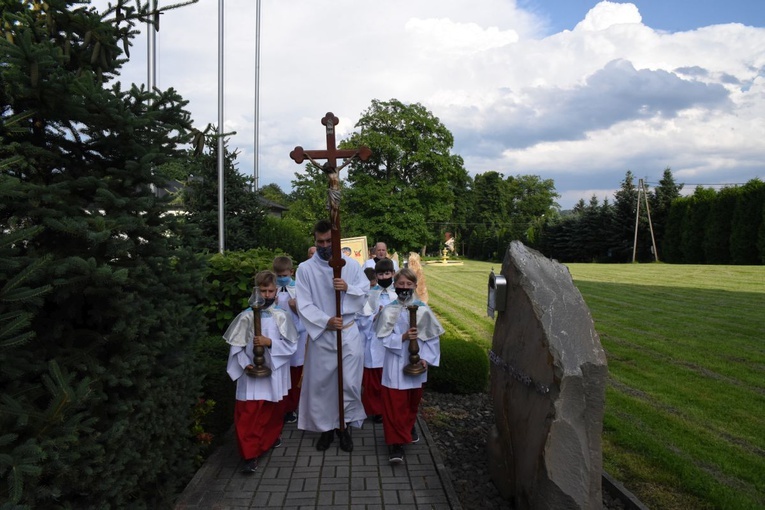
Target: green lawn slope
[685, 404]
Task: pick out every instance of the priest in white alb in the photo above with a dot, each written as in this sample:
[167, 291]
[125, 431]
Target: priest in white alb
[316, 286]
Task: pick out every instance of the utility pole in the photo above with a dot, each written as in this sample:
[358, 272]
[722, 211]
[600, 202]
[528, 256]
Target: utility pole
[637, 218]
[642, 190]
[650, 224]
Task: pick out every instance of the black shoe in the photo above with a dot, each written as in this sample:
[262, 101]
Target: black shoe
[325, 440]
[278, 443]
[377, 418]
[396, 454]
[415, 435]
[250, 466]
[290, 417]
[346, 442]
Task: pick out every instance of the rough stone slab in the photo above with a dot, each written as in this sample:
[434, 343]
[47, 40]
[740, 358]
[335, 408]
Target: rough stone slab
[548, 380]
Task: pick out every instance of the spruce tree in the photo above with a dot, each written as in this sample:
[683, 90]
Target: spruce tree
[96, 368]
[625, 207]
[243, 215]
[661, 201]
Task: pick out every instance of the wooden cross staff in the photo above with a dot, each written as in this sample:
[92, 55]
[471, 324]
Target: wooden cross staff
[331, 154]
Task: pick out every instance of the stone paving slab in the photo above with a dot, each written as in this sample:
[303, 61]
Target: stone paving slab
[296, 476]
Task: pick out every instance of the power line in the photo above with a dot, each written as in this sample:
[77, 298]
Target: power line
[695, 184]
[485, 223]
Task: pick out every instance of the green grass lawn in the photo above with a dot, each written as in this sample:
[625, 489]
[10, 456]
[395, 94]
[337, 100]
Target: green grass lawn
[685, 404]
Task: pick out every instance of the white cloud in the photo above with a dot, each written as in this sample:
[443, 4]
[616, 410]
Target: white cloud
[607, 14]
[580, 106]
[444, 39]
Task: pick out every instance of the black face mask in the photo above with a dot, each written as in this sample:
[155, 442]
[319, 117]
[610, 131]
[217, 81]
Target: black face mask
[325, 252]
[404, 295]
[268, 303]
[385, 282]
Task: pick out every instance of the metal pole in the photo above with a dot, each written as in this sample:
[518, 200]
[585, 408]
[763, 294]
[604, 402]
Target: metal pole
[151, 62]
[221, 158]
[256, 144]
[151, 50]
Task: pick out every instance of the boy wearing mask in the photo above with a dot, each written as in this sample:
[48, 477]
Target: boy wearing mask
[401, 392]
[285, 298]
[374, 351]
[258, 412]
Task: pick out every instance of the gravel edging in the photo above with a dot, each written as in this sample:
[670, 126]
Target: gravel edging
[459, 426]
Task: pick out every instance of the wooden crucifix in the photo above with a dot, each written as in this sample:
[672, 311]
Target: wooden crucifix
[331, 154]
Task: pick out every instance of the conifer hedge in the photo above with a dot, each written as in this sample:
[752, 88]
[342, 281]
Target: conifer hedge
[717, 227]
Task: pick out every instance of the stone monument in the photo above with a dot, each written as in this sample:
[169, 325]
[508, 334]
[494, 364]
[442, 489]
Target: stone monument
[548, 380]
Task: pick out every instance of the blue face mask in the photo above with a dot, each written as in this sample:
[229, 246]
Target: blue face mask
[283, 281]
[325, 252]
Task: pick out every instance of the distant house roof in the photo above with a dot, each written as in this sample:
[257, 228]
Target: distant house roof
[172, 186]
[273, 208]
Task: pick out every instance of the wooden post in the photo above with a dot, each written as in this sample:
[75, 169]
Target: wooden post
[650, 224]
[637, 217]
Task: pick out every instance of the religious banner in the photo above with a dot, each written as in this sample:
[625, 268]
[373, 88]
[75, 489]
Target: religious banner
[356, 248]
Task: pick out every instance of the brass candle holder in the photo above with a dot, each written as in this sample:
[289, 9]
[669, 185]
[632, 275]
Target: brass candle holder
[414, 367]
[258, 351]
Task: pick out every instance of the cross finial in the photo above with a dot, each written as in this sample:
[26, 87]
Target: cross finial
[331, 153]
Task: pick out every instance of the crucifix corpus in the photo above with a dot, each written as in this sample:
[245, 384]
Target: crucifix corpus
[331, 154]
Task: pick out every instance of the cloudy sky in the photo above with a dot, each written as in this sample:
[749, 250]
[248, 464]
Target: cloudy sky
[578, 91]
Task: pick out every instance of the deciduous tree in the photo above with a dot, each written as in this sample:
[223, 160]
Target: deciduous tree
[412, 176]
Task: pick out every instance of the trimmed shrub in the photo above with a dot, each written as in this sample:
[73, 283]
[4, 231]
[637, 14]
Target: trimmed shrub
[212, 353]
[287, 234]
[464, 367]
[229, 283]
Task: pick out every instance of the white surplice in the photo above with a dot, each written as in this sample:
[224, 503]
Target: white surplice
[391, 324]
[283, 296]
[276, 325]
[374, 350]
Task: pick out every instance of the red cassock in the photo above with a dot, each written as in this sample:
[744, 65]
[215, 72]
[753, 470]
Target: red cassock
[258, 425]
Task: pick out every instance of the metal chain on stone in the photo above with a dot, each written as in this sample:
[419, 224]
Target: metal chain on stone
[519, 376]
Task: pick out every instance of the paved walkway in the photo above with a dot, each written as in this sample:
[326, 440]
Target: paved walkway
[296, 476]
